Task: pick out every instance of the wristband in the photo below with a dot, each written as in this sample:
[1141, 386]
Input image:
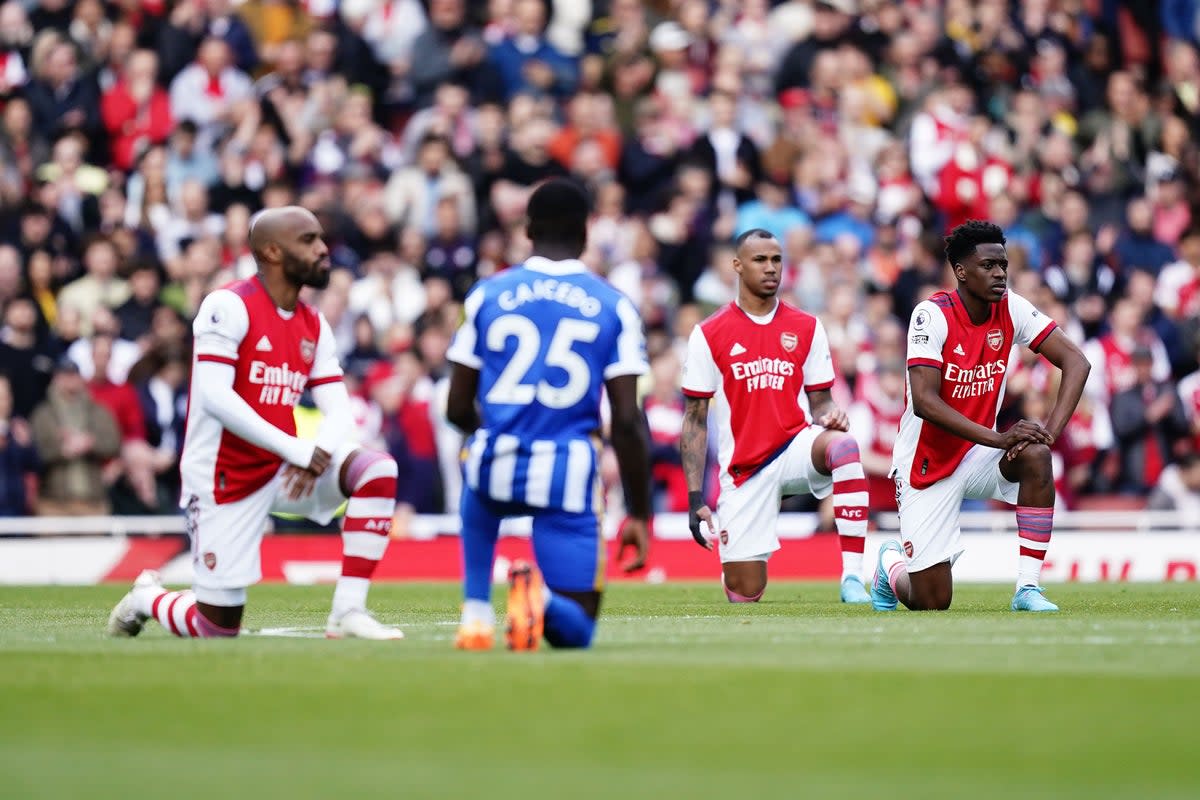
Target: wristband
[695, 500]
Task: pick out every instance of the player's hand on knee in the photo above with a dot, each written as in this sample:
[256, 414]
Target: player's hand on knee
[835, 420]
[320, 462]
[699, 512]
[1025, 432]
[297, 482]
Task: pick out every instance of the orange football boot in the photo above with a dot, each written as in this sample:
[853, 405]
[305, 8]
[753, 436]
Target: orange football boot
[526, 606]
[475, 636]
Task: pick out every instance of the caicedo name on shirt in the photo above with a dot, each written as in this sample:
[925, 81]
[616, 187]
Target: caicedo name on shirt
[567, 294]
[281, 385]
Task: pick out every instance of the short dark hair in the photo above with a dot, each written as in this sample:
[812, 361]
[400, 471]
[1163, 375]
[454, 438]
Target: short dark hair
[963, 240]
[558, 213]
[753, 233]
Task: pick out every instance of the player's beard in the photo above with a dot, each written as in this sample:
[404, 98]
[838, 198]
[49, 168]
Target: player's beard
[303, 273]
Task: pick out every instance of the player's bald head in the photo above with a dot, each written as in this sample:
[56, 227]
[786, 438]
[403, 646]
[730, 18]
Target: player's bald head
[278, 226]
[288, 241]
[754, 236]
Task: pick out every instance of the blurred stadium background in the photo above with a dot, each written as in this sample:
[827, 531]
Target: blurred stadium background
[136, 139]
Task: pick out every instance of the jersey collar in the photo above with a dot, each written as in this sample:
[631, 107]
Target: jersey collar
[570, 266]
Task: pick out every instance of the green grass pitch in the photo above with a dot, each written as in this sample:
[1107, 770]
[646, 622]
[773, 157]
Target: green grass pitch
[683, 696]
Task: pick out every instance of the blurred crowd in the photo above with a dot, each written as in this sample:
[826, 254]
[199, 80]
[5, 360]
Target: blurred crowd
[137, 137]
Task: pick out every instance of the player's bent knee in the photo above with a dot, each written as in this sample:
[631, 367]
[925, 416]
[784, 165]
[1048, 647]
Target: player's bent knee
[577, 637]
[367, 465]
[843, 447]
[1035, 455]
[743, 590]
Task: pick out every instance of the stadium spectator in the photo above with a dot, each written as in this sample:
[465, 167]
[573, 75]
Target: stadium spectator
[1178, 488]
[213, 93]
[25, 358]
[1139, 245]
[18, 458]
[1111, 354]
[75, 436]
[1149, 422]
[160, 380]
[131, 477]
[450, 49]
[526, 61]
[136, 110]
[412, 193]
[16, 36]
[664, 415]
[60, 96]
[874, 421]
[100, 286]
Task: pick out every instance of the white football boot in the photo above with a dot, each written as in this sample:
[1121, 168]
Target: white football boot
[358, 623]
[125, 619]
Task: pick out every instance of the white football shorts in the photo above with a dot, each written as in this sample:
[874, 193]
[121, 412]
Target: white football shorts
[747, 516]
[226, 537]
[929, 529]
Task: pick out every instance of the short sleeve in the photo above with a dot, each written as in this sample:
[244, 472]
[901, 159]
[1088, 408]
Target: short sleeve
[219, 327]
[629, 355]
[927, 331]
[1030, 326]
[465, 347]
[701, 377]
[818, 366]
[326, 367]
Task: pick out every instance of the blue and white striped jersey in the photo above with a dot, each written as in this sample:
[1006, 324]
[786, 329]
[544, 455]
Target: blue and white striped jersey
[544, 337]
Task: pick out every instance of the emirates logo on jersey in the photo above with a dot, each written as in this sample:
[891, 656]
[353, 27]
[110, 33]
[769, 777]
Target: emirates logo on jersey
[789, 341]
[995, 338]
[308, 349]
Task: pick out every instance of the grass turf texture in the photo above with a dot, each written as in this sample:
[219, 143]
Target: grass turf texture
[683, 696]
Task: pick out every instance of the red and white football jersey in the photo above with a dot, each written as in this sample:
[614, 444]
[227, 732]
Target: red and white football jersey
[275, 354]
[974, 361]
[1111, 357]
[756, 368]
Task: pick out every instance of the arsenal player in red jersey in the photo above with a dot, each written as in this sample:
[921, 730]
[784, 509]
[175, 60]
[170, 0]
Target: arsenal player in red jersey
[960, 347]
[753, 359]
[257, 348]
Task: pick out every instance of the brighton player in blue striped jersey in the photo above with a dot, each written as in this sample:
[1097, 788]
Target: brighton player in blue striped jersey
[538, 344]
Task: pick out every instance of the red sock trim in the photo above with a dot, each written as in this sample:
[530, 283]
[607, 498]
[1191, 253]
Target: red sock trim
[852, 544]
[849, 485]
[171, 615]
[1040, 555]
[154, 605]
[189, 617]
[358, 567]
[384, 486]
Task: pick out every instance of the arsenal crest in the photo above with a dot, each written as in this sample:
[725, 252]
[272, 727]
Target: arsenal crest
[995, 338]
[789, 341]
[308, 349]
[210, 560]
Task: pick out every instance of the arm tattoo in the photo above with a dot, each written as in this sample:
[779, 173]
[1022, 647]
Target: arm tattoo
[819, 403]
[693, 442]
